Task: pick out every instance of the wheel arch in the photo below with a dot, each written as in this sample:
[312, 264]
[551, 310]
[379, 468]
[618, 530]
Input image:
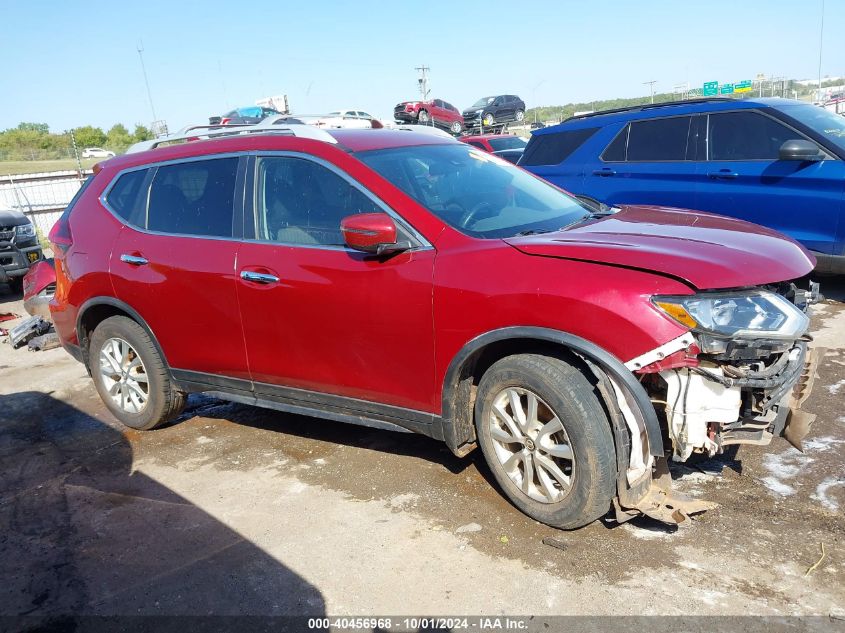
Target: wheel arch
[474, 357]
[98, 309]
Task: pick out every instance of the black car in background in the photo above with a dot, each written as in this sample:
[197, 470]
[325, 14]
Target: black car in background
[249, 115]
[492, 110]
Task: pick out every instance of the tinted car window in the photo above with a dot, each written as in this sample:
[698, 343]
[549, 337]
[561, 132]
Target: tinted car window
[298, 201]
[615, 152]
[507, 142]
[194, 198]
[553, 149]
[746, 136]
[125, 197]
[659, 139]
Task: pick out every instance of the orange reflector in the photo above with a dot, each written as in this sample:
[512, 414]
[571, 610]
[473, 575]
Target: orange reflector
[677, 312]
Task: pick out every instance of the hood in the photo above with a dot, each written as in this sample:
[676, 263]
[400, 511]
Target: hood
[10, 217]
[707, 251]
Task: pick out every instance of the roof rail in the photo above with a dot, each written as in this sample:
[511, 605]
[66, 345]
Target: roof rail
[649, 106]
[270, 125]
[424, 129]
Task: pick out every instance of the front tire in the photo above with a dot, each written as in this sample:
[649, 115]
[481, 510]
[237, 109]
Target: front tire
[547, 440]
[488, 119]
[130, 375]
[422, 117]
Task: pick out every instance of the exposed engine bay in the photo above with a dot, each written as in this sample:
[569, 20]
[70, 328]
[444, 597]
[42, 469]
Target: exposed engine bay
[739, 376]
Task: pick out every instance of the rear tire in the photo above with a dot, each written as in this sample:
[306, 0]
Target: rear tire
[555, 460]
[456, 127]
[130, 375]
[520, 115]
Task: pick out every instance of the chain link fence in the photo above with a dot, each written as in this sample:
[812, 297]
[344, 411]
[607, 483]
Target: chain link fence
[41, 197]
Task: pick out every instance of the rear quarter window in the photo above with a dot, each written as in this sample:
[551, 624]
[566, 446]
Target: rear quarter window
[127, 195]
[553, 149]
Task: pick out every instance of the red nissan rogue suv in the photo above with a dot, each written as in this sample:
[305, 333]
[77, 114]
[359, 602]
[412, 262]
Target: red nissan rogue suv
[407, 281]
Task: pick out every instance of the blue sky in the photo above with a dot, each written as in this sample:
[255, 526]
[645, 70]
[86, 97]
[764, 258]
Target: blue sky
[74, 63]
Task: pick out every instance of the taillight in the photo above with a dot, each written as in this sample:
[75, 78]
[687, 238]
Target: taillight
[60, 236]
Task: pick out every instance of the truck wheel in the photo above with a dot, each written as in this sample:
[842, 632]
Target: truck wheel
[546, 439]
[130, 375]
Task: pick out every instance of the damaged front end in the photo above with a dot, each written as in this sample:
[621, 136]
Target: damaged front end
[739, 376]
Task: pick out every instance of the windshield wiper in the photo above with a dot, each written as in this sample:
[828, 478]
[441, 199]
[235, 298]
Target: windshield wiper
[532, 232]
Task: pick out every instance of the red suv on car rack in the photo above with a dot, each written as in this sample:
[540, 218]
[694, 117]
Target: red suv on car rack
[405, 280]
[437, 112]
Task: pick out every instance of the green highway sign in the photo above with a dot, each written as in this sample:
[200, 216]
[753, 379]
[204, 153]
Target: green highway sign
[727, 89]
[711, 88]
[743, 86]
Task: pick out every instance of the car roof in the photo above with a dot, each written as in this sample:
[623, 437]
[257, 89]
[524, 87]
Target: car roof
[349, 140]
[672, 108]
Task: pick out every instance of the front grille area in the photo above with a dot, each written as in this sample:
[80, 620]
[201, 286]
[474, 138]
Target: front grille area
[6, 234]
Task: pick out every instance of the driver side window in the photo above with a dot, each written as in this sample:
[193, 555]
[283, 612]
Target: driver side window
[298, 201]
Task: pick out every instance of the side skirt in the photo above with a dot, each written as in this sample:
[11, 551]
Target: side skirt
[311, 403]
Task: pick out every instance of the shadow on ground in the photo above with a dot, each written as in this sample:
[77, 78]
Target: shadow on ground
[82, 534]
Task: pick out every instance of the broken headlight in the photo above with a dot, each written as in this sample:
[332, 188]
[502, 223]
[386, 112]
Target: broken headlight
[755, 314]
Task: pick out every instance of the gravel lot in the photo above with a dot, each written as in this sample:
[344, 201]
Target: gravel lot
[237, 510]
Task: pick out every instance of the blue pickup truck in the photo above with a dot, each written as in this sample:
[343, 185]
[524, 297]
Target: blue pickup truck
[776, 162]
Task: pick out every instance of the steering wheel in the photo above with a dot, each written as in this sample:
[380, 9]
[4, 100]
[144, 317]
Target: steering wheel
[470, 216]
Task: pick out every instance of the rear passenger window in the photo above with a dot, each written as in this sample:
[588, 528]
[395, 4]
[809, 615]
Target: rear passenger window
[747, 136]
[301, 202]
[659, 139]
[553, 149]
[127, 196]
[194, 198]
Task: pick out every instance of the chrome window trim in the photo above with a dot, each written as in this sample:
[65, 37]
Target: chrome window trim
[104, 196]
[424, 244]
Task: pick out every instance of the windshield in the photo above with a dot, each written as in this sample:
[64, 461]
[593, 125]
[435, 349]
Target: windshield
[831, 126]
[475, 192]
[507, 142]
[482, 102]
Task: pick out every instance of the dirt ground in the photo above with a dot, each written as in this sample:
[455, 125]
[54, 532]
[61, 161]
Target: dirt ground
[238, 510]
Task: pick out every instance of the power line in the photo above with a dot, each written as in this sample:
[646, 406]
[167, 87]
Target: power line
[422, 81]
[651, 83]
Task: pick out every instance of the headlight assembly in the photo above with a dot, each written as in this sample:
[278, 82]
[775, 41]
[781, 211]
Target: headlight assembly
[25, 230]
[755, 314]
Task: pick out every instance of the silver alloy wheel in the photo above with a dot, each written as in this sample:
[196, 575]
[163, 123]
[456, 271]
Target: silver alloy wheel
[422, 117]
[456, 127]
[531, 444]
[520, 115]
[124, 375]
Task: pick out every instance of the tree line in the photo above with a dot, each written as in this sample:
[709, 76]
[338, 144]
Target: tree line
[35, 141]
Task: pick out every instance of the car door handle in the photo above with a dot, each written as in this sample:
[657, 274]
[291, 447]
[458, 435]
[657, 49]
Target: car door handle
[259, 278]
[134, 260]
[604, 172]
[722, 173]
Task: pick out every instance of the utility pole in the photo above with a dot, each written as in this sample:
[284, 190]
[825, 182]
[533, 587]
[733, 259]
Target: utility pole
[651, 83]
[422, 81]
[146, 81]
[821, 39]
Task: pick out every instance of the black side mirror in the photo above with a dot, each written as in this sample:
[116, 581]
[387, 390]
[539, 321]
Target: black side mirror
[799, 149]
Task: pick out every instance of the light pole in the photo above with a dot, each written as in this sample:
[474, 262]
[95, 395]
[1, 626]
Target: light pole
[651, 83]
[534, 97]
[821, 39]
